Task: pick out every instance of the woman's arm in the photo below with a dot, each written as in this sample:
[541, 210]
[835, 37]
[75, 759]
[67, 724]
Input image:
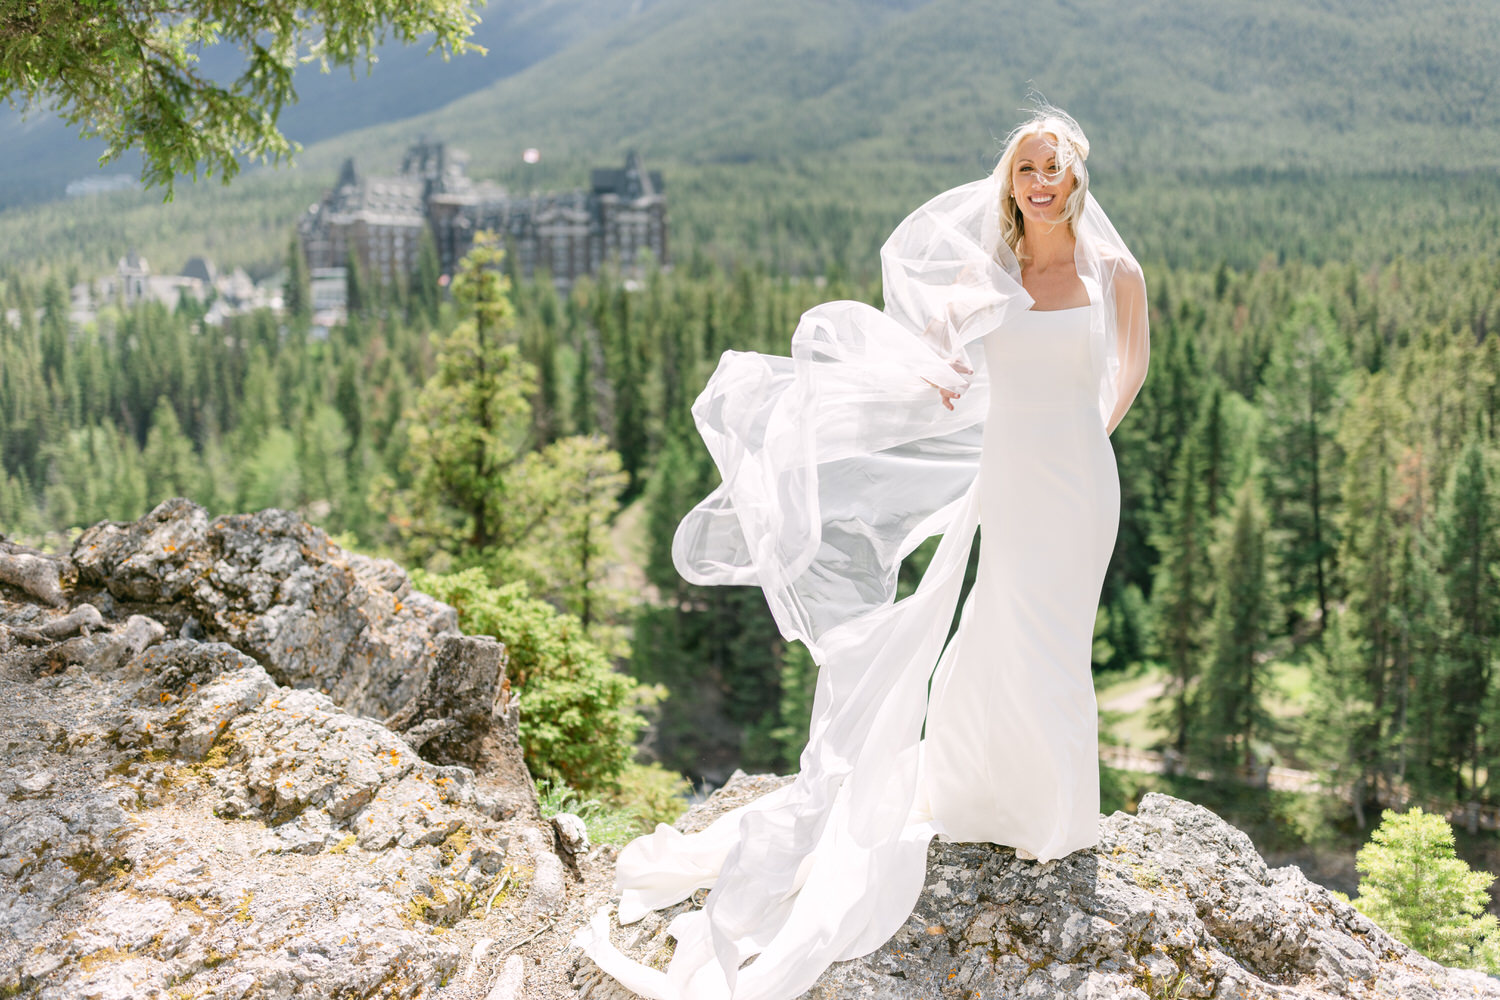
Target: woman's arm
[1134, 337]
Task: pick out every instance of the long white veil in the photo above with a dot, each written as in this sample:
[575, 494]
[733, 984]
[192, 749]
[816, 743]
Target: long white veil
[837, 462]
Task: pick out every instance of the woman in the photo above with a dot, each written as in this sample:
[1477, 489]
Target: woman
[836, 464]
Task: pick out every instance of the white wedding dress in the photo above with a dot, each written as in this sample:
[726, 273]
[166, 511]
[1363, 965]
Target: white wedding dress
[837, 462]
[1011, 748]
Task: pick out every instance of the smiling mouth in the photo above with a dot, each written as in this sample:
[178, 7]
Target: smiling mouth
[1041, 200]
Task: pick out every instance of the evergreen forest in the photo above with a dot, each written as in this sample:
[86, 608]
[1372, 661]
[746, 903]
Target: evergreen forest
[1307, 571]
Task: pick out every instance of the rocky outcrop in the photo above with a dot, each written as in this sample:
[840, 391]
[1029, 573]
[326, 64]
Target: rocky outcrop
[275, 587]
[1172, 903]
[176, 820]
[197, 800]
[464, 714]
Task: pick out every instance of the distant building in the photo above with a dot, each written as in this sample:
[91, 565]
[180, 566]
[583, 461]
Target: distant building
[381, 219]
[133, 283]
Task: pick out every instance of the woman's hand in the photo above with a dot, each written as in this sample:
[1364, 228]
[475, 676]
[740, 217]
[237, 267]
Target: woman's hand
[948, 395]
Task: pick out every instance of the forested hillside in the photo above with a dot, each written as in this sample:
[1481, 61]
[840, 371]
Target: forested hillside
[1309, 550]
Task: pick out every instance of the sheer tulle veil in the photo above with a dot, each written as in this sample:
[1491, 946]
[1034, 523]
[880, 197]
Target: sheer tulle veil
[837, 462]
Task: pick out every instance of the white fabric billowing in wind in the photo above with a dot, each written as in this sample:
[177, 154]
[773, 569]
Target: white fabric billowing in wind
[836, 462]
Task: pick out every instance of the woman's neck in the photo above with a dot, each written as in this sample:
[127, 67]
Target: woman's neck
[1049, 246]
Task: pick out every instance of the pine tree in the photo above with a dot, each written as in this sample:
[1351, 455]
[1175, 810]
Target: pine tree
[1231, 709]
[1468, 523]
[1368, 556]
[472, 417]
[1301, 407]
[296, 293]
[170, 465]
[1423, 732]
[1416, 887]
[574, 486]
[1180, 590]
[356, 286]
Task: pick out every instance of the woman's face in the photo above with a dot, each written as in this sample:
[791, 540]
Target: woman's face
[1039, 188]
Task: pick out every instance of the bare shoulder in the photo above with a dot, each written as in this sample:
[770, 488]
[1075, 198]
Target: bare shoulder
[1123, 269]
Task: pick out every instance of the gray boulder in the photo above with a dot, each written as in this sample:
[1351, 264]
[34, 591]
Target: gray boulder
[275, 587]
[1172, 903]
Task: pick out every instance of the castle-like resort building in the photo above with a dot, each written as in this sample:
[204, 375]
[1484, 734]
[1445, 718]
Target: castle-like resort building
[380, 221]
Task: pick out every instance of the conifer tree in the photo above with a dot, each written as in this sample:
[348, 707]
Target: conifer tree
[1422, 727]
[574, 487]
[1300, 400]
[1368, 556]
[1231, 708]
[472, 417]
[356, 286]
[426, 292]
[1180, 592]
[1340, 712]
[1415, 886]
[1468, 524]
[170, 465]
[296, 293]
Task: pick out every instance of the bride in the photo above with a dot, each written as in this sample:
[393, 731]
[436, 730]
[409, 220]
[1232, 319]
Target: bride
[1014, 298]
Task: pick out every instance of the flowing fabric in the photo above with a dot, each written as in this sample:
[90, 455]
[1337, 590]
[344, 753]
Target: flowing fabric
[836, 463]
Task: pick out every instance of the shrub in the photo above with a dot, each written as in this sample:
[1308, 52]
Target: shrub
[577, 722]
[1419, 890]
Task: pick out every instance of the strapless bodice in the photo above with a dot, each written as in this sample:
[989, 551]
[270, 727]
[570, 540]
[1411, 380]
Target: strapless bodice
[1041, 360]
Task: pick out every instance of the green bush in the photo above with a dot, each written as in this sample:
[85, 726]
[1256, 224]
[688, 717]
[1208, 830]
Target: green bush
[578, 725]
[1418, 889]
[652, 793]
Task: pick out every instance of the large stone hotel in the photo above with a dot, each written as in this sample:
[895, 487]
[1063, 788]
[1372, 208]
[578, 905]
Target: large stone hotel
[380, 219]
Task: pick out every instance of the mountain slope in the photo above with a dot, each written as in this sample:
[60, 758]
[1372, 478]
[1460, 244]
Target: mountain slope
[1347, 84]
[39, 154]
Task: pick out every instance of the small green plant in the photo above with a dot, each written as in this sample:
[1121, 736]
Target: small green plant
[343, 845]
[605, 825]
[242, 912]
[1417, 888]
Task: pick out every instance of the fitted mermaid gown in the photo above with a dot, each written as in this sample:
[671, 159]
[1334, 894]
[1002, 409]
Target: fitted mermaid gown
[1010, 753]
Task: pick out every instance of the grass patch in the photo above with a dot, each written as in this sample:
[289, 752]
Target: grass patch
[605, 824]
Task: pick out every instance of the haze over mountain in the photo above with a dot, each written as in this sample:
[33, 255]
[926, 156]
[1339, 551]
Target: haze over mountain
[40, 154]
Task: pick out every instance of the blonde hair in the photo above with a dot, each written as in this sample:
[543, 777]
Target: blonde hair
[1072, 150]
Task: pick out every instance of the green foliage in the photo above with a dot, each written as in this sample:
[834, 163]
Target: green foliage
[576, 720]
[648, 794]
[129, 73]
[652, 794]
[1418, 889]
[799, 678]
[470, 426]
[605, 823]
[1301, 397]
[1231, 706]
[1180, 588]
[1468, 526]
[574, 485]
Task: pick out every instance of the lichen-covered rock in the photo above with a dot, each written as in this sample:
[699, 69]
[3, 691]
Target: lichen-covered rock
[275, 587]
[464, 714]
[174, 822]
[1173, 902]
[42, 576]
